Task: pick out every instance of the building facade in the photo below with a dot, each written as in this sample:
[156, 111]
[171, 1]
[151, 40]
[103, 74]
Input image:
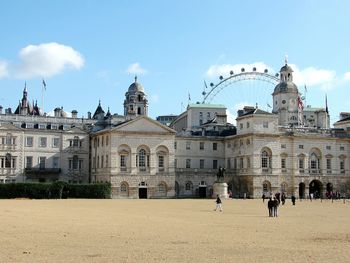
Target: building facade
[291, 149]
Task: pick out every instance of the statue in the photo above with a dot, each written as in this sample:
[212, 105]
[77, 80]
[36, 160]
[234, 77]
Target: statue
[220, 175]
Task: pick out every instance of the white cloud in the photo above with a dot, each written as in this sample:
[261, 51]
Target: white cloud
[46, 60]
[311, 76]
[217, 70]
[3, 69]
[232, 111]
[136, 68]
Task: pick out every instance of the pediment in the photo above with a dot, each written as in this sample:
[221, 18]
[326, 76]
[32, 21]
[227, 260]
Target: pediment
[8, 126]
[143, 125]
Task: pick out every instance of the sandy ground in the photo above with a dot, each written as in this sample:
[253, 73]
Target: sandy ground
[172, 231]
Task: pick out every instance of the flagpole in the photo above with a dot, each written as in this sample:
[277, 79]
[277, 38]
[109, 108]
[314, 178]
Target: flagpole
[42, 97]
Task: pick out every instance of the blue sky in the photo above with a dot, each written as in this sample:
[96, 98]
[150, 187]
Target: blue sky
[91, 50]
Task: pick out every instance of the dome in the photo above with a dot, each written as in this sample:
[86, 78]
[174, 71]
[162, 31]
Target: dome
[286, 87]
[287, 68]
[135, 87]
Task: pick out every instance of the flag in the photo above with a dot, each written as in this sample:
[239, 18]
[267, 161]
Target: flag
[44, 84]
[326, 105]
[300, 104]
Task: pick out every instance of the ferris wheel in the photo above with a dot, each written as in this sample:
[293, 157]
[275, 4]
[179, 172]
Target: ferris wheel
[249, 87]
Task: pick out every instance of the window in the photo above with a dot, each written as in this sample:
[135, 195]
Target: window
[142, 158]
[161, 188]
[42, 126]
[175, 163]
[42, 161]
[55, 162]
[301, 146]
[122, 161]
[235, 163]
[342, 166]
[283, 163]
[201, 145]
[102, 161]
[188, 163]
[188, 186]
[107, 140]
[75, 162]
[301, 163]
[328, 147]
[103, 141]
[54, 127]
[80, 164]
[215, 164]
[161, 162]
[283, 146]
[248, 162]
[76, 141]
[215, 146]
[123, 188]
[201, 164]
[175, 145]
[29, 141]
[42, 142]
[241, 163]
[314, 162]
[8, 159]
[29, 162]
[265, 160]
[188, 145]
[241, 126]
[55, 142]
[329, 164]
[265, 124]
[342, 148]
[98, 161]
[107, 161]
[248, 125]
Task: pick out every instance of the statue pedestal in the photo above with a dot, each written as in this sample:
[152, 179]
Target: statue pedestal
[220, 189]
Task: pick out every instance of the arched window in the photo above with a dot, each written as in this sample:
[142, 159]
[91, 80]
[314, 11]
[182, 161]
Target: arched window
[188, 186]
[314, 161]
[161, 188]
[265, 160]
[123, 188]
[142, 158]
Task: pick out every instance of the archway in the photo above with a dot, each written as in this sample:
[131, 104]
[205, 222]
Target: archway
[316, 188]
[301, 190]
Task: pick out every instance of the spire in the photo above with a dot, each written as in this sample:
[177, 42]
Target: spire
[286, 59]
[25, 86]
[135, 78]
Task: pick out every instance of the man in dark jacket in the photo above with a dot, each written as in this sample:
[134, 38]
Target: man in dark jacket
[218, 203]
[270, 207]
[293, 199]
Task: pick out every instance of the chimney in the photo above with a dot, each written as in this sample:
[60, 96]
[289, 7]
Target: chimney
[8, 111]
[74, 114]
[89, 115]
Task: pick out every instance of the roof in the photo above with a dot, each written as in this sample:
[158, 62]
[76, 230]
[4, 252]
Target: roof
[204, 105]
[256, 112]
[313, 109]
[344, 120]
[135, 87]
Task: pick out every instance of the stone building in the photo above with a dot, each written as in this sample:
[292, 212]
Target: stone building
[291, 149]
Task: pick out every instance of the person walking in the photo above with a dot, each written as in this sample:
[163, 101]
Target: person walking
[263, 197]
[283, 198]
[275, 207]
[270, 206]
[218, 203]
[293, 199]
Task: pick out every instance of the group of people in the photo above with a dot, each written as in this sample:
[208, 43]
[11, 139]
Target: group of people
[273, 204]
